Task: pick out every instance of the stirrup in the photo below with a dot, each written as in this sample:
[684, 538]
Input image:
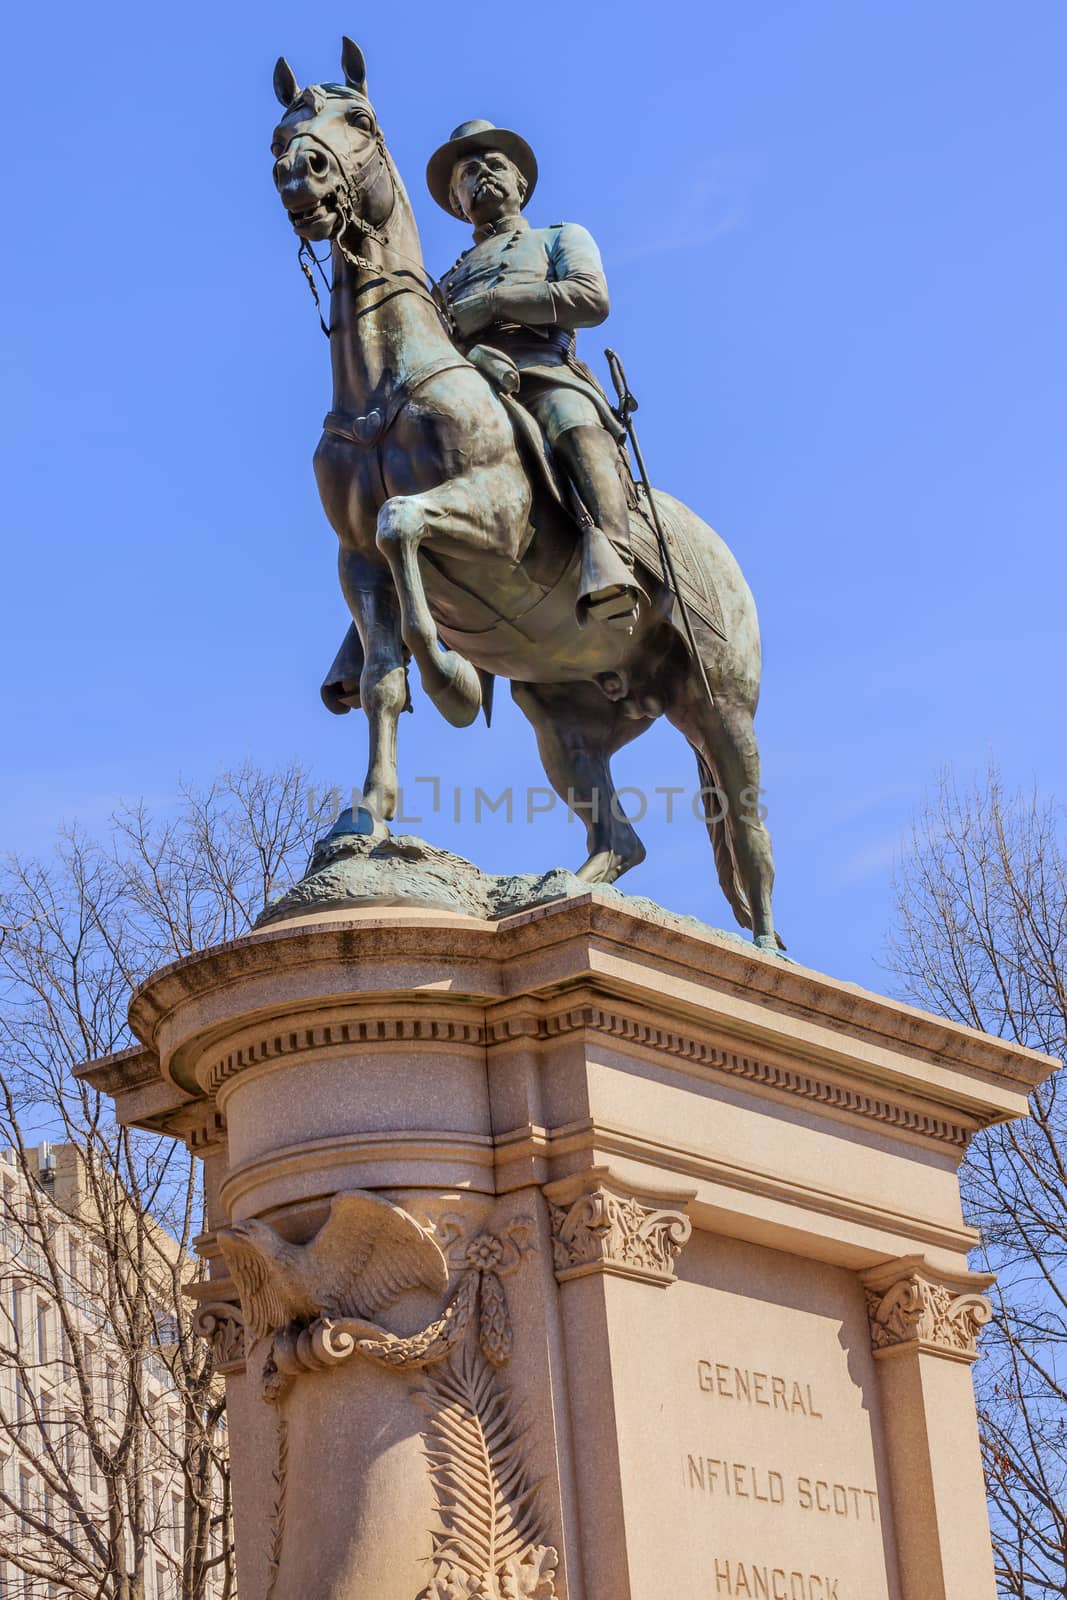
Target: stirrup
[613, 607]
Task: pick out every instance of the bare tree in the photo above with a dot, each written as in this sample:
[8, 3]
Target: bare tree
[116, 1482]
[981, 936]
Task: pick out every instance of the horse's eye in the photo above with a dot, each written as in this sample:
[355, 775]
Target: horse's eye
[360, 119]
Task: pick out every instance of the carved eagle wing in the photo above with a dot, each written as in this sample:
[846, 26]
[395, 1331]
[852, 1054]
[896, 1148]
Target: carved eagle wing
[265, 1301]
[367, 1254]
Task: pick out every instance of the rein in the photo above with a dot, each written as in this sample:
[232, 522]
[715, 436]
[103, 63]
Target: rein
[350, 218]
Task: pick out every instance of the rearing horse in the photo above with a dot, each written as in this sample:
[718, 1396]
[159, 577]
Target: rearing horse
[451, 536]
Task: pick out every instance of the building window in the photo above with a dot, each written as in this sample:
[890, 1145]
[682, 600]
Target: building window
[167, 1329]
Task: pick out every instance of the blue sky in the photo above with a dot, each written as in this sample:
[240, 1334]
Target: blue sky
[834, 234]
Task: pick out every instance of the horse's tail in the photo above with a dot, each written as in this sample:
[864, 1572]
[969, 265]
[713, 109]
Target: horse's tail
[715, 820]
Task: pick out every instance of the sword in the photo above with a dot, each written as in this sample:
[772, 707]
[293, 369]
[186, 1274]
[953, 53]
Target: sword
[624, 411]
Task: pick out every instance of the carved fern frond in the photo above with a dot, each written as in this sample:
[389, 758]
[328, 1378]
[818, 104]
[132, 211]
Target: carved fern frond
[485, 1498]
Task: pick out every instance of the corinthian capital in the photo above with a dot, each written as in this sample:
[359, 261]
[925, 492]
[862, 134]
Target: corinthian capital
[909, 1303]
[601, 1225]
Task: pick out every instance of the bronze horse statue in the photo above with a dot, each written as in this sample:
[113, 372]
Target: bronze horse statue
[456, 552]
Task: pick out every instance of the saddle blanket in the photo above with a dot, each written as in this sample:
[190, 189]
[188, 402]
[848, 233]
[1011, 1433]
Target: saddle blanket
[698, 592]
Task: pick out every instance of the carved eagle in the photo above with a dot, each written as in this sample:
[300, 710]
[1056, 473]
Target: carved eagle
[367, 1253]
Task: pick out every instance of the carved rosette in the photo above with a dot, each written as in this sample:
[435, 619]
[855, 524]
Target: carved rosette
[605, 1230]
[914, 1306]
[222, 1324]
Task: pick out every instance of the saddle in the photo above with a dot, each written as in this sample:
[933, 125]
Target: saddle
[698, 592]
[340, 688]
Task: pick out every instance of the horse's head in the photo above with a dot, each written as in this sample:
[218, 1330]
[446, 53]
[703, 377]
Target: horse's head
[330, 166]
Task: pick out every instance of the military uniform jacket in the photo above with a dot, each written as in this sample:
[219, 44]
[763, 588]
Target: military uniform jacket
[542, 285]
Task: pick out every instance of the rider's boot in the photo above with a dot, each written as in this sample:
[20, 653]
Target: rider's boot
[608, 592]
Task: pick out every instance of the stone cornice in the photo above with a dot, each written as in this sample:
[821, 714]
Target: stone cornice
[911, 1306]
[690, 1050]
[707, 1001]
[496, 955]
[439, 1022]
[423, 1024]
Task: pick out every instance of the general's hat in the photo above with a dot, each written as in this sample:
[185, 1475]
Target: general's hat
[478, 135]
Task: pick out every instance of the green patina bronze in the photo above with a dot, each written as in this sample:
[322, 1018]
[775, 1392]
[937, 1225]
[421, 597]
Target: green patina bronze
[488, 523]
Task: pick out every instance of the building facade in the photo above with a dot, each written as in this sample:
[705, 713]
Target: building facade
[95, 1413]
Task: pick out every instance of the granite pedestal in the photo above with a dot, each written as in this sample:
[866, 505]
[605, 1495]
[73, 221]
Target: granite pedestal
[682, 1305]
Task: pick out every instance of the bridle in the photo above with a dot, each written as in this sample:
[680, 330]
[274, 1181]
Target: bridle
[356, 188]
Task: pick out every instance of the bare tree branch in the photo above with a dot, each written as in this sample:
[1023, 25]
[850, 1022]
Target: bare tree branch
[981, 936]
[111, 1420]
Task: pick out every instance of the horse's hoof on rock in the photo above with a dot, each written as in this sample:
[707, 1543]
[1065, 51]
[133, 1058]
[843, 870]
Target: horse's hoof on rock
[607, 865]
[361, 822]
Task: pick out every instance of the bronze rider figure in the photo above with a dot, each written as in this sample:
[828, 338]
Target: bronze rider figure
[524, 292]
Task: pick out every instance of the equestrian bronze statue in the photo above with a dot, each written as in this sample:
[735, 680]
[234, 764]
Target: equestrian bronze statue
[476, 477]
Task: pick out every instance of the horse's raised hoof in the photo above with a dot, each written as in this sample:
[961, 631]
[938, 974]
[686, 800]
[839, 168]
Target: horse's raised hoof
[604, 866]
[459, 696]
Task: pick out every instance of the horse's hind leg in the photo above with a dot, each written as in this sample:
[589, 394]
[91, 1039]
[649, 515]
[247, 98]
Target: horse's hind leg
[725, 744]
[578, 732]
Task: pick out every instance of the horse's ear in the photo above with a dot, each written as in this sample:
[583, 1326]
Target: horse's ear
[353, 65]
[285, 84]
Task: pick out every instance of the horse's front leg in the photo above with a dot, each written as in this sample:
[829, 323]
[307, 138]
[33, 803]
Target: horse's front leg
[459, 508]
[383, 691]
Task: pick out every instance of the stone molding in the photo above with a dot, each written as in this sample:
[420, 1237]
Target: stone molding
[604, 1142]
[727, 969]
[600, 1225]
[208, 1131]
[912, 1306]
[391, 1146]
[617, 1024]
[419, 1027]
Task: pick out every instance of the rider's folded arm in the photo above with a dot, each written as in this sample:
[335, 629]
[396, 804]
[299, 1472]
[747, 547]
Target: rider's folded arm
[580, 301]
